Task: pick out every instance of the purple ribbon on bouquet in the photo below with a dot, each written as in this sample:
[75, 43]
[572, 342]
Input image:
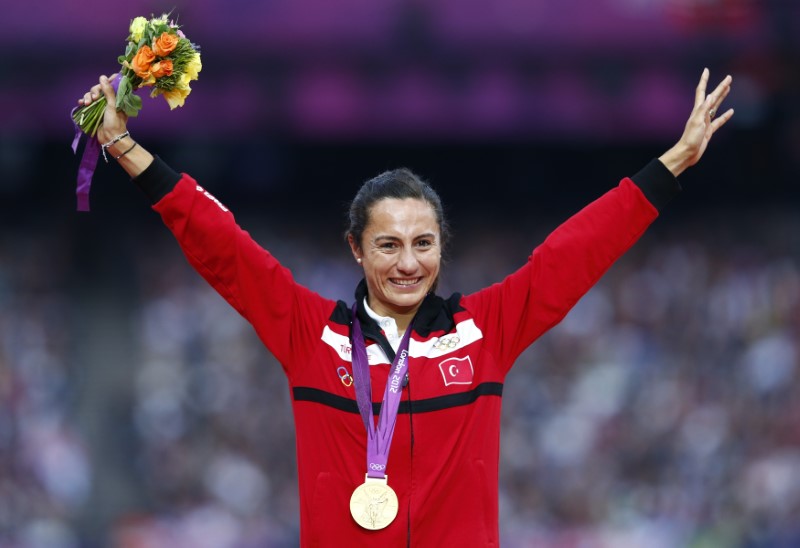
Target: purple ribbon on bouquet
[91, 153]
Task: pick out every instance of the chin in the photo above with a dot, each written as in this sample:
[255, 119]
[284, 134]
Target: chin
[407, 302]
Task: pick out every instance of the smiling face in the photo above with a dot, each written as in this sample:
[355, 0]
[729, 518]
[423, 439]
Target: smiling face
[401, 255]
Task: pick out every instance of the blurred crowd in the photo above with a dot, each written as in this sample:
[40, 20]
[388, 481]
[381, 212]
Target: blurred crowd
[662, 412]
[45, 468]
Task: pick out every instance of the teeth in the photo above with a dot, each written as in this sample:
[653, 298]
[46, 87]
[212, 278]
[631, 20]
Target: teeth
[406, 282]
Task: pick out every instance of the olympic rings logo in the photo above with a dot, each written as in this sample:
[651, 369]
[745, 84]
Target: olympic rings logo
[377, 467]
[447, 342]
[344, 376]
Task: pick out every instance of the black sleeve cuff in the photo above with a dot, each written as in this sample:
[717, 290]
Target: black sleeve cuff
[157, 180]
[657, 183]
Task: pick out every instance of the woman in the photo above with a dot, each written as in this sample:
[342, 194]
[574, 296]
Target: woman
[432, 369]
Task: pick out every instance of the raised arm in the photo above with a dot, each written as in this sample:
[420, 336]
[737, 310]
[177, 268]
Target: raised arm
[574, 257]
[284, 314]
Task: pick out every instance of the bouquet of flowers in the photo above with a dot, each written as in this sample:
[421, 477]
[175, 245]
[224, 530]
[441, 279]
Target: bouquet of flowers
[159, 56]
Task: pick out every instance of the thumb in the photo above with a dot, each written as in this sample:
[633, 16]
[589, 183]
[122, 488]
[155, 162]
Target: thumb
[108, 91]
[113, 121]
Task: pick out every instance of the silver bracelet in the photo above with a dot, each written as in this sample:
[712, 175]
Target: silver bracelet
[116, 139]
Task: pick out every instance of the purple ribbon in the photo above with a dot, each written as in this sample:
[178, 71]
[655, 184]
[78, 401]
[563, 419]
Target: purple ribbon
[379, 438]
[91, 153]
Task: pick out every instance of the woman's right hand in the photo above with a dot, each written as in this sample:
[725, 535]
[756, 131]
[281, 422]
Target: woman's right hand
[114, 122]
[131, 156]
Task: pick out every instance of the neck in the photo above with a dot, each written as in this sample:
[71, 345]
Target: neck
[402, 318]
[403, 321]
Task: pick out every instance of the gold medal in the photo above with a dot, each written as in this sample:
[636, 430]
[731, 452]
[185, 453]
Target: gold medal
[374, 504]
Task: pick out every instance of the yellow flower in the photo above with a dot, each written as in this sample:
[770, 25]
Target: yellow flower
[193, 67]
[177, 96]
[137, 28]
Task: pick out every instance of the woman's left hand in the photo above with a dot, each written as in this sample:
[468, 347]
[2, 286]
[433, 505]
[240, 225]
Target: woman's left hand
[702, 124]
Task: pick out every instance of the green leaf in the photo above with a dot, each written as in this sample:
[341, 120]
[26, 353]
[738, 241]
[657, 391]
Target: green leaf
[131, 105]
[124, 89]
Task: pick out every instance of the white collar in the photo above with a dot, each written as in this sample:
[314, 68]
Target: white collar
[387, 323]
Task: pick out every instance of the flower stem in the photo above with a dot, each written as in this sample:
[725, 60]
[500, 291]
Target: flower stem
[90, 117]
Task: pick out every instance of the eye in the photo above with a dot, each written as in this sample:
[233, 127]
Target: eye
[388, 245]
[424, 244]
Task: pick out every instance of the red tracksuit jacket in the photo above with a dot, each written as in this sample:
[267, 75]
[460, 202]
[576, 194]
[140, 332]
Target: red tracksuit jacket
[444, 457]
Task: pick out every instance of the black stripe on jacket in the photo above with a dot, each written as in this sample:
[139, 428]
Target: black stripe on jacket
[315, 395]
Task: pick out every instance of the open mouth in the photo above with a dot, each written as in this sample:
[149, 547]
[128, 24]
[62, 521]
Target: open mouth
[405, 282]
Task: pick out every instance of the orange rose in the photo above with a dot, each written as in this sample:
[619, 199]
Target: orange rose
[161, 68]
[142, 61]
[165, 44]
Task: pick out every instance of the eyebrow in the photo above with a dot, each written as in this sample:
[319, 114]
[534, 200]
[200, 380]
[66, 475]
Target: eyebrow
[429, 235]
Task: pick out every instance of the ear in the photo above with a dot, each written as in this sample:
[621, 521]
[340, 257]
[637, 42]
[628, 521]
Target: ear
[354, 247]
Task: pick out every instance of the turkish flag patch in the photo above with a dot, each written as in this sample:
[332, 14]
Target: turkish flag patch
[457, 371]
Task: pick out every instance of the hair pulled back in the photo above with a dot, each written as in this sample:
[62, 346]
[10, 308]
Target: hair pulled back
[398, 183]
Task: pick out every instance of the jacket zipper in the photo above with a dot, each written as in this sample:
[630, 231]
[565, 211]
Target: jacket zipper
[411, 457]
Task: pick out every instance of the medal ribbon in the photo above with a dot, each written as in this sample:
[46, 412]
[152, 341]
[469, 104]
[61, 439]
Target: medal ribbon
[91, 153]
[379, 438]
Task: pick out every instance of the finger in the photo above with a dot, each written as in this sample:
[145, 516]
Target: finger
[706, 109]
[721, 120]
[719, 95]
[722, 89]
[700, 92]
[717, 102]
[725, 84]
[108, 91]
[90, 96]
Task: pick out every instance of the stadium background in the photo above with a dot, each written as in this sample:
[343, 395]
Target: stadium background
[137, 410]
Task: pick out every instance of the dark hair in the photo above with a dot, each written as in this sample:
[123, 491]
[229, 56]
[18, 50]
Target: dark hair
[397, 183]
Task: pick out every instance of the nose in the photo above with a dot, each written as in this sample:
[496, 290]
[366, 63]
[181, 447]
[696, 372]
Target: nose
[407, 262]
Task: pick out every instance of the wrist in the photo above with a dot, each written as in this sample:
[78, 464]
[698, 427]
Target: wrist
[104, 147]
[130, 155]
[119, 147]
[106, 135]
[676, 159]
